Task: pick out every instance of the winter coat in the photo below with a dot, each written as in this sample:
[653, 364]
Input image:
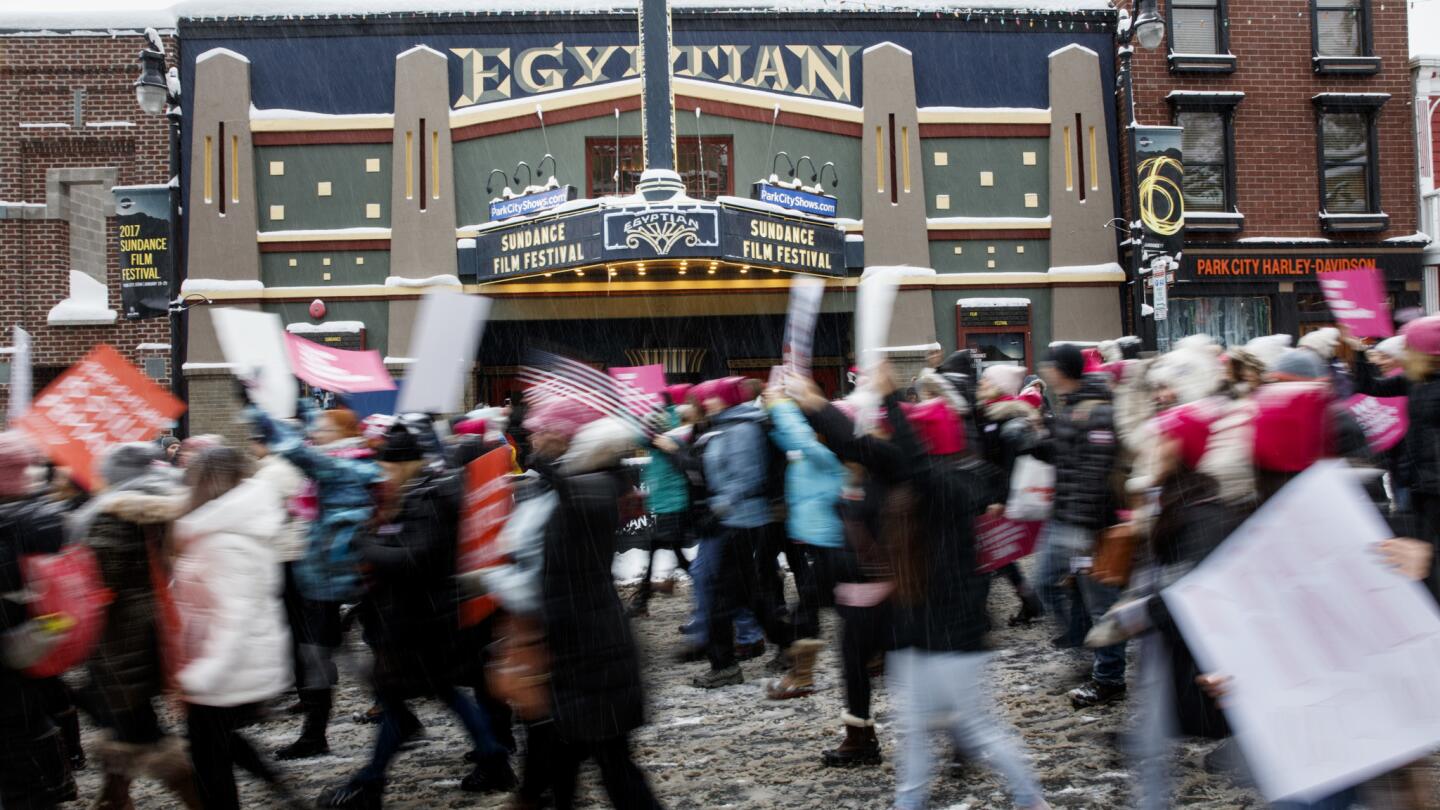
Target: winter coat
[595, 670]
[328, 571]
[948, 615]
[1082, 448]
[412, 601]
[286, 481]
[814, 477]
[127, 528]
[235, 641]
[736, 465]
[27, 526]
[1007, 432]
[1422, 440]
[668, 493]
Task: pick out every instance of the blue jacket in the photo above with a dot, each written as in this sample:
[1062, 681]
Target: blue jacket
[330, 569]
[735, 460]
[813, 479]
[668, 491]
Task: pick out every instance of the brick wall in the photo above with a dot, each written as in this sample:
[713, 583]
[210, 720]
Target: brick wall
[1277, 183]
[38, 80]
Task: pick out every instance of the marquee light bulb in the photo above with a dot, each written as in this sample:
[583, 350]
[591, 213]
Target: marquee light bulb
[712, 271]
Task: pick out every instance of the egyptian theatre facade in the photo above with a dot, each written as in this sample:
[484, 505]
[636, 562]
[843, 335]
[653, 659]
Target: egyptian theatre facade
[334, 169]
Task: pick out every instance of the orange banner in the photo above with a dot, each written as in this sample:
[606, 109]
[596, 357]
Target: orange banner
[488, 501]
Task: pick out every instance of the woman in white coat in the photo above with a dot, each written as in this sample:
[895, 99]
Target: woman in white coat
[234, 643]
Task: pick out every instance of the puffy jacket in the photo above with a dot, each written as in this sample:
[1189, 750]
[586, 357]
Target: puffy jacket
[668, 490]
[949, 614]
[1007, 432]
[736, 462]
[287, 482]
[1422, 440]
[235, 641]
[813, 479]
[125, 527]
[412, 603]
[1082, 448]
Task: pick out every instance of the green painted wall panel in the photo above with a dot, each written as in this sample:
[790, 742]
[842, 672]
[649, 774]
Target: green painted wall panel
[374, 314]
[343, 166]
[946, 300]
[310, 268]
[960, 179]
[975, 256]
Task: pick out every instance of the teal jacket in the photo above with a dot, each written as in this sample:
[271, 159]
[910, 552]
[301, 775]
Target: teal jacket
[667, 488]
[813, 479]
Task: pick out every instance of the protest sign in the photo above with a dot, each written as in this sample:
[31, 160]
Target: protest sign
[1357, 300]
[805, 295]
[254, 345]
[488, 501]
[97, 403]
[21, 379]
[1000, 541]
[874, 306]
[447, 332]
[640, 386]
[340, 370]
[1331, 652]
[1384, 419]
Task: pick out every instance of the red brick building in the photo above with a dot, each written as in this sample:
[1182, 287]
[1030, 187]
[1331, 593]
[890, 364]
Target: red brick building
[70, 129]
[1269, 198]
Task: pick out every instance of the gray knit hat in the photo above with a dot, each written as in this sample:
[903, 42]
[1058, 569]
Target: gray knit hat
[126, 462]
[1298, 364]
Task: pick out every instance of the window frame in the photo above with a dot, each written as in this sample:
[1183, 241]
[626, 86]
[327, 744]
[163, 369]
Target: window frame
[1369, 105]
[626, 141]
[1367, 63]
[1230, 220]
[1222, 61]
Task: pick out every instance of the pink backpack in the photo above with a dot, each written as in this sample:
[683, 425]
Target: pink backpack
[68, 596]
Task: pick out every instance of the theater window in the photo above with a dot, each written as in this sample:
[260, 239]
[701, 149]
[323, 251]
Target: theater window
[1199, 37]
[1341, 37]
[613, 167]
[1349, 175]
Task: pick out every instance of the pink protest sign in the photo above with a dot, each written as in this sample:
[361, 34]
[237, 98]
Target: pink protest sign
[1000, 541]
[1384, 419]
[1357, 299]
[338, 370]
[640, 380]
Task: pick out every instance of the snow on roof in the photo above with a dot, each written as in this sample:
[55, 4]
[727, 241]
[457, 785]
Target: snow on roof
[219, 285]
[420, 48]
[992, 303]
[1072, 46]
[153, 347]
[898, 271]
[119, 16]
[432, 281]
[1107, 267]
[214, 52]
[325, 327]
[1183, 93]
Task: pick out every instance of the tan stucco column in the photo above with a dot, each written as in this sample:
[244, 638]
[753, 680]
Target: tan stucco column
[422, 186]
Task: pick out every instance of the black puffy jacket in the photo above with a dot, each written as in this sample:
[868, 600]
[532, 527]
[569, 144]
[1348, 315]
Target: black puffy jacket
[1082, 448]
[1422, 440]
[949, 614]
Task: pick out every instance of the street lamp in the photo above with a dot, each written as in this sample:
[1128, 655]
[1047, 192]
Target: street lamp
[1148, 29]
[157, 91]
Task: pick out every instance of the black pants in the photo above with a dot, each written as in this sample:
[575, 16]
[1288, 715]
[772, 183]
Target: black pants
[739, 581]
[814, 570]
[216, 747]
[34, 770]
[624, 782]
[864, 633]
[671, 532]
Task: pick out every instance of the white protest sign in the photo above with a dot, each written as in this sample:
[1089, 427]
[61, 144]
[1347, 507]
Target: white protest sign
[1333, 655]
[21, 380]
[254, 345]
[805, 295]
[447, 332]
[874, 306]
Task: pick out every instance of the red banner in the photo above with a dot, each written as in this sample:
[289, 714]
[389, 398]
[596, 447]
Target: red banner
[339, 370]
[487, 506]
[97, 403]
[1000, 541]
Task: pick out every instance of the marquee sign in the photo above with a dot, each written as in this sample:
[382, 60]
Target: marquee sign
[1198, 266]
[645, 233]
[531, 203]
[820, 205]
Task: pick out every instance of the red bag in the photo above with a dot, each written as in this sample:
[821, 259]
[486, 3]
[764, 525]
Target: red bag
[68, 593]
[1291, 425]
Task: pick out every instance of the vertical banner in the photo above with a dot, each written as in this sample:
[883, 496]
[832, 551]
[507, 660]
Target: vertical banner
[798, 349]
[97, 403]
[147, 262]
[486, 508]
[21, 378]
[447, 332]
[1159, 185]
[254, 345]
[1357, 299]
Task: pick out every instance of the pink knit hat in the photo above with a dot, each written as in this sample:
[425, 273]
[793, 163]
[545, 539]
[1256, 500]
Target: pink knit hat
[16, 454]
[678, 392]
[1423, 335]
[1006, 378]
[938, 427]
[559, 415]
[730, 390]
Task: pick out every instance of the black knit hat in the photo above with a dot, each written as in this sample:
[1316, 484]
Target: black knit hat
[400, 445]
[1068, 360]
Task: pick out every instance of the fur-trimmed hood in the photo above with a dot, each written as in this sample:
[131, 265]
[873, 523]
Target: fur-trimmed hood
[598, 445]
[1006, 408]
[157, 497]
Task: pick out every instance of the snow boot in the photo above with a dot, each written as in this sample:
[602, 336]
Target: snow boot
[69, 723]
[1030, 607]
[168, 762]
[800, 680]
[312, 742]
[353, 796]
[717, 678]
[490, 776]
[860, 746]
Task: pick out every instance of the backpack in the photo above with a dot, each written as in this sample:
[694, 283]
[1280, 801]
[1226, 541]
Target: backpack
[67, 603]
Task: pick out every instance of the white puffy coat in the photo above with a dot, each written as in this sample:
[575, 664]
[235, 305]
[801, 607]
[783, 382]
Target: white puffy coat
[288, 482]
[234, 643]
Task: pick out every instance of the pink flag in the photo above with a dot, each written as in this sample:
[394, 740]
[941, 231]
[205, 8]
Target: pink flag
[1357, 299]
[339, 370]
[1384, 419]
[638, 381]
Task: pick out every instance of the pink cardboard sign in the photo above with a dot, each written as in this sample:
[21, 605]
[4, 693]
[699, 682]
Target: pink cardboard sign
[339, 370]
[640, 380]
[1384, 419]
[1000, 541]
[1357, 299]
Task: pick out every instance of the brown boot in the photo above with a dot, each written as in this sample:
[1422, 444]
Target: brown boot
[860, 746]
[121, 764]
[799, 681]
[114, 794]
[168, 762]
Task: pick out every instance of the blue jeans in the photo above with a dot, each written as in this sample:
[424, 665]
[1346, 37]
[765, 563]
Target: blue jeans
[1057, 545]
[1109, 661]
[390, 738]
[702, 569]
